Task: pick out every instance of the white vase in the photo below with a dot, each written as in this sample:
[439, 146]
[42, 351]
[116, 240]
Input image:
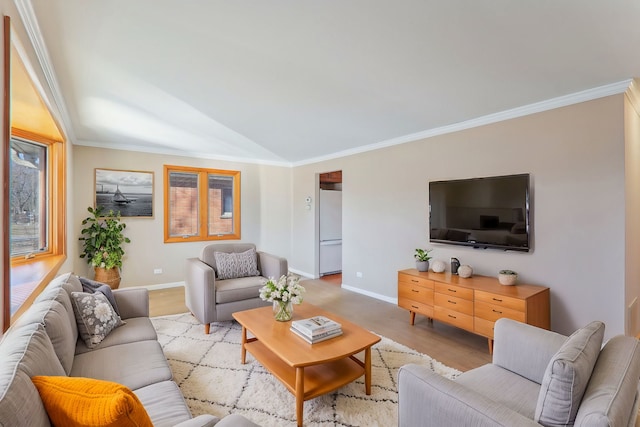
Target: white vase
[465, 271]
[438, 266]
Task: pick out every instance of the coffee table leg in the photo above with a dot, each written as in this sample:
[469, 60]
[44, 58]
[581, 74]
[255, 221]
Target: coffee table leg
[243, 351]
[299, 395]
[367, 370]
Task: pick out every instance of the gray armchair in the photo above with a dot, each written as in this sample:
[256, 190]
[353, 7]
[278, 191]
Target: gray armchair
[534, 380]
[211, 299]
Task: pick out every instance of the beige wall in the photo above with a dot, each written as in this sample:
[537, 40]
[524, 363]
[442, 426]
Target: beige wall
[632, 189]
[575, 156]
[265, 206]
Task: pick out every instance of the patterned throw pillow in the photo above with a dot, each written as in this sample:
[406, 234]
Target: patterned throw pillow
[91, 286]
[234, 265]
[95, 317]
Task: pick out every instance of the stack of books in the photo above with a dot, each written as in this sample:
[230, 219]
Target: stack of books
[316, 329]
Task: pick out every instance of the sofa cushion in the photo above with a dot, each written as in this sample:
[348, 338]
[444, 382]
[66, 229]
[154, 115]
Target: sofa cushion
[91, 286]
[164, 403]
[55, 319]
[60, 295]
[25, 351]
[612, 394]
[88, 402]
[231, 290]
[234, 265]
[134, 330]
[134, 365]
[95, 316]
[566, 377]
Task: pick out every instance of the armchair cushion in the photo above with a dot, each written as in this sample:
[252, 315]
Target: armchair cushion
[234, 265]
[567, 375]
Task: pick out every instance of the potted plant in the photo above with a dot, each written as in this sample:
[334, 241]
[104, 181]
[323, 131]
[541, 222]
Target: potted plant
[422, 259]
[507, 277]
[102, 244]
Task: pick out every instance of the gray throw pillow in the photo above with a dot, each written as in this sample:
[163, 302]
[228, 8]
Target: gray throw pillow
[234, 265]
[95, 317]
[90, 286]
[567, 375]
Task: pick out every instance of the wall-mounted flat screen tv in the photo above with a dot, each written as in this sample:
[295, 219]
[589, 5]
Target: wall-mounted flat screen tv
[491, 212]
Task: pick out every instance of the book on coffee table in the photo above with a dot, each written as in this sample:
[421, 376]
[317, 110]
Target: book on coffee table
[318, 338]
[314, 326]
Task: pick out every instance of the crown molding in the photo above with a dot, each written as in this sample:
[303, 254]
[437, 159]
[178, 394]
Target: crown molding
[633, 94]
[30, 22]
[538, 107]
[182, 153]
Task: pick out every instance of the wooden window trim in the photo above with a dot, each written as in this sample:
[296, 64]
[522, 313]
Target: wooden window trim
[203, 205]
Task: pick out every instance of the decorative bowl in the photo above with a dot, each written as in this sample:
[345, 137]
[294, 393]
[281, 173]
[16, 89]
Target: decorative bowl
[507, 278]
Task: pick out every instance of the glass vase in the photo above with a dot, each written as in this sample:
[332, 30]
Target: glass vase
[282, 310]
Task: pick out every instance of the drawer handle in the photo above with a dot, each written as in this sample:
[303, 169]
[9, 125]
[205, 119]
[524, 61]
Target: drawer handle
[413, 290]
[451, 290]
[496, 311]
[451, 302]
[414, 281]
[453, 317]
[413, 306]
[497, 299]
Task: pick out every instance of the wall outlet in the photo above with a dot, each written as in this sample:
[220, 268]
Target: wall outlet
[359, 274]
[157, 271]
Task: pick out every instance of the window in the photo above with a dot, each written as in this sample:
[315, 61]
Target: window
[201, 204]
[28, 210]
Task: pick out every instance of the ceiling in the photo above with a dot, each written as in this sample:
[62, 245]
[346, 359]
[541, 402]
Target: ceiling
[295, 81]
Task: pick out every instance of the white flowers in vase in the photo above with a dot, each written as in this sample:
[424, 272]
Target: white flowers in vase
[285, 289]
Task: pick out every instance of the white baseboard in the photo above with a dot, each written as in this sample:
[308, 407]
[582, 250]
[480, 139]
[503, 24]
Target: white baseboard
[303, 273]
[370, 294]
[157, 286]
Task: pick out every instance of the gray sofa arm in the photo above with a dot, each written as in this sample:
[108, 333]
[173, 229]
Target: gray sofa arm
[132, 302]
[200, 421]
[428, 399]
[200, 290]
[272, 265]
[524, 349]
[236, 420]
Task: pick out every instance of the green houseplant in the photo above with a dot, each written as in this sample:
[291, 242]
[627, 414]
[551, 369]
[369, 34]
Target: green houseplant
[422, 259]
[102, 237]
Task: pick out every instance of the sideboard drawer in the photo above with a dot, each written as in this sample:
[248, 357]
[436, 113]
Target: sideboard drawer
[493, 313]
[415, 280]
[460, 305]
[453, 290]
[454, 318]
[414, 292]
[483, 327]
[501, 301]
[416, 307]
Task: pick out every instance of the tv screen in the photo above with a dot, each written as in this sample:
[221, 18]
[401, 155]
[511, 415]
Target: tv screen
[490, 212]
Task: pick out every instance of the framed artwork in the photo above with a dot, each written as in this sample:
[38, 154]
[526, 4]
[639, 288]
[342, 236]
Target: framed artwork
[127, 192]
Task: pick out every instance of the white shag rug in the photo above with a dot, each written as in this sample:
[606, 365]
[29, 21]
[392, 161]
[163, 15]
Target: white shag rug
[207, 369]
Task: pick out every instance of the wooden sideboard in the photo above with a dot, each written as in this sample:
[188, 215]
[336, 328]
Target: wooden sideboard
[473, 304]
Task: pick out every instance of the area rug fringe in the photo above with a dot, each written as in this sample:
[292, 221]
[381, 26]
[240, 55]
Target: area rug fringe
[207, 369]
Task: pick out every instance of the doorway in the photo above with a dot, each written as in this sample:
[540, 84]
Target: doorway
[330, 226]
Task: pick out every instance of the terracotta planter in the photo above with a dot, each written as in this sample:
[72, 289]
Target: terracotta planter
[109, 276]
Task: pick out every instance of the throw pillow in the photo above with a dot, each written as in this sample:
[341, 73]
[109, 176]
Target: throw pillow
[95, 317]
[566, 377]
[77, 401]
[234, 265]
[91, 286]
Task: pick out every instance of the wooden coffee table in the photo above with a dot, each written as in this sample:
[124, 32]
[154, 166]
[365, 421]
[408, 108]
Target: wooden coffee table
[306, 370]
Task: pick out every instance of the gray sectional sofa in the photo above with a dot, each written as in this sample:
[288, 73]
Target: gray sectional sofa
[537, 377]
[44, 342]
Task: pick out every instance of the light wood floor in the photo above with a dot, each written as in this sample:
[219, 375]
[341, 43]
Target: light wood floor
[451, 346]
